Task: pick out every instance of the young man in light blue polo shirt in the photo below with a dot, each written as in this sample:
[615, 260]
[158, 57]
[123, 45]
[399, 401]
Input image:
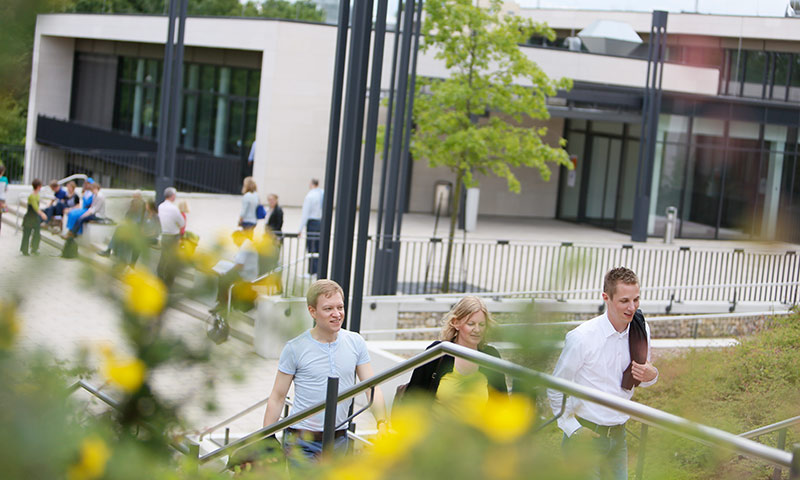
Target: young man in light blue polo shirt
[326, 350]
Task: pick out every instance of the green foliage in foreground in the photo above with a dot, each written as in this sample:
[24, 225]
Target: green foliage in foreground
[738, 389]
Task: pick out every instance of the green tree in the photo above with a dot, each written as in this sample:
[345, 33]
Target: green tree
[472, 121]
[299, 10]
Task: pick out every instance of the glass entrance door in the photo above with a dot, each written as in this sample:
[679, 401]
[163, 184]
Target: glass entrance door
[603, 181]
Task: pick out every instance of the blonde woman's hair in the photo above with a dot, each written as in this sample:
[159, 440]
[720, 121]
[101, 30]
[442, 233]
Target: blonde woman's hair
[460, 311]
[248, 185]
[183, 206]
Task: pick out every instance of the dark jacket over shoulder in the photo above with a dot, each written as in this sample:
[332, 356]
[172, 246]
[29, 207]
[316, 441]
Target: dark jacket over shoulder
[426, 378]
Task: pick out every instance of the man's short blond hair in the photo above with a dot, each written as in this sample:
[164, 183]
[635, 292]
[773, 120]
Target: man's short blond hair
[324, 287]
[617, 275]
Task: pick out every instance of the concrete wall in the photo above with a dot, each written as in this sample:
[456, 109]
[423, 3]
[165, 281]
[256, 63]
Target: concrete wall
[51, 85]
[537, 198]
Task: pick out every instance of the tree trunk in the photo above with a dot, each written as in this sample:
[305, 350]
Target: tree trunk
[454, 208]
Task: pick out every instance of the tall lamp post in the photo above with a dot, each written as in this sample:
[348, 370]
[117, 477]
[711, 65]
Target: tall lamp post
[651, 108]
[171, 90]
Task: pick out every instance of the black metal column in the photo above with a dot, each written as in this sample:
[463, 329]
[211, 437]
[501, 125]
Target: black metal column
[388, 126]
[329, 419]
[651, 108]
[384, 282]
[333, 137]
[171, 88]
[369, 166]
[405, 157]
[349, 168]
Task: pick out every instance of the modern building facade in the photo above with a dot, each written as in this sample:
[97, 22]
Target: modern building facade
[726, 155]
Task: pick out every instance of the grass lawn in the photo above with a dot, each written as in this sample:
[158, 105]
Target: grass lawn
[737, 389]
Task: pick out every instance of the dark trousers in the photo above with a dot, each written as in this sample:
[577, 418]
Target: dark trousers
[30, 228]
[313, 227]
[54, 210]
[79, 223]
[168, 262]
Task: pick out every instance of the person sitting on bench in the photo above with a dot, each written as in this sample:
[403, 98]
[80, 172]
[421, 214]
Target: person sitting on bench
[95, 212]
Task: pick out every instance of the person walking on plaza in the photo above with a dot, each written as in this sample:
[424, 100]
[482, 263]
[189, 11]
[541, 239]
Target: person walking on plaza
[466, 324]
[3, 188]
[171, 221]
[247, 216]
[32, 220]
[326, 350]
[611, 353]
[274, 216]
[312, 222]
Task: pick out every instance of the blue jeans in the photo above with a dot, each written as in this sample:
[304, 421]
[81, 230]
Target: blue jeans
[311, 449]
[613, 454]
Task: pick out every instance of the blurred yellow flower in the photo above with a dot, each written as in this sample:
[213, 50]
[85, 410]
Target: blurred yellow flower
[146, 294]
[92, 463]
[127, 373]
[409, 426]
[265, 245]
[270, 285]
[504, 419]
[356, 469]
[204, 261]
[501, 463]
[9, 324]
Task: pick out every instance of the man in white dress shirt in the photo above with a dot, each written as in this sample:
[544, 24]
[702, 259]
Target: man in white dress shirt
[312, 222]
[171, 221]
[595, 355]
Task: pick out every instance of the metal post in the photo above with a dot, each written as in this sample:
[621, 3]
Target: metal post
[651, 107]
[777, 474]
[405, 159]
[329, 424]
[383, 254]
[369, 167]
[641, 456]
[333, 137]
[176, 96]
[162, 181]
[794, 472]
[349, 168]
[388, 128]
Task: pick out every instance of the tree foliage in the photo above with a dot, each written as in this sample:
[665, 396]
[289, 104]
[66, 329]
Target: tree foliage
[472, 121]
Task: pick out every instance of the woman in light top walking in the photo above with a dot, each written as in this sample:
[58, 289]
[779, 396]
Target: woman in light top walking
[247, 216]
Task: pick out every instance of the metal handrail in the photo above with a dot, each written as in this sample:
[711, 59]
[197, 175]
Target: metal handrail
[648, 415]
[184, 449]
[238, 415]
[771, 428]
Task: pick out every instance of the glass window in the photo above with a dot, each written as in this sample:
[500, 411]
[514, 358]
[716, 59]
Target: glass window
[741, 192]
[781, 75]
[794, 84]
[612, 128]
[577, 124]
[254, 83]
[672, 128]
[701, 196]
[756, 64]
[239, 82]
